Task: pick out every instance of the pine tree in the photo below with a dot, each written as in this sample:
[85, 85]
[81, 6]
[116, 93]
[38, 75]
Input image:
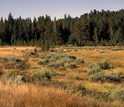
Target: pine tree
[1, 28]
[71, 40]
[95, 36]
[6, 38]
[14, 34]
[33, 28]
[10, 27]
[46, 45]
[20, 28]
[0, 42]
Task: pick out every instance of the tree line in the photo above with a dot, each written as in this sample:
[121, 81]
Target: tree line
[94, 28]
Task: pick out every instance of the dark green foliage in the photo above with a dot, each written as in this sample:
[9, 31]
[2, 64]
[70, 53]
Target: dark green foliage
[72, 57]
[71, 40]
[35, 50]
[95, 28]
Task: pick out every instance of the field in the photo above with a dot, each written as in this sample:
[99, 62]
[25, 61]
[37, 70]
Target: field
[62, 77]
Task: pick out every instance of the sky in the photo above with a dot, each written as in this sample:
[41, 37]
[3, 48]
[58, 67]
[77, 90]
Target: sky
[55, 8]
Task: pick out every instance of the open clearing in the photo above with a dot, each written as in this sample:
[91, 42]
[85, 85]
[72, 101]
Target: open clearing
[63, 78]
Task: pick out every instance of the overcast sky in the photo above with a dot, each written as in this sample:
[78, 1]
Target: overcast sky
[55, 8]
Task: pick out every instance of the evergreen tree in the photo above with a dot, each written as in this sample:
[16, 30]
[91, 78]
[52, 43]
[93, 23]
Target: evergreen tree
[95, 36]
[105, 27]
[72, 40]
[1, 28]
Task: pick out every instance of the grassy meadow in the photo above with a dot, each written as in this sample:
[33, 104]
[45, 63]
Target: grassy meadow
[62, 77]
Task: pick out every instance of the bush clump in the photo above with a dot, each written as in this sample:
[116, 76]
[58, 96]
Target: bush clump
[59, 59]
[46, 61]
[53, 64]
[92, 64]
[78, 87]
[40, 62]
[95, 69]
[117, 94]
[42, 74]
[97, 77]
[79, 61]
[72, 57]
[11, 60]
[70, 65]
[7, 78]
[104, 64]
[29, 53]
[96, 73]
[113, 76]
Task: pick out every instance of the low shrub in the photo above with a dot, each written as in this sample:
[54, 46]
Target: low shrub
[40, 62]
[22, 66]
[72, 57]
[117, 49]
[92, 64]
[42, 74]
[113, 76]
[12, 60]
[95, 70]
[53, 64]
[35, 50]
[75, 50]
[60, 59]
[70, 65]
[117, 94]
[3, 58]
[61, 63]
[29, 53]
[11, 79]
[1, 72]
[66, 60]
[52, 59]
[78, 87]
[46, 61]
[97, 77]
[79, 61]
[104, 64]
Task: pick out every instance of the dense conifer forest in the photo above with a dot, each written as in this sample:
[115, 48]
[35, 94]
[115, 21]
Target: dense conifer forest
[91, 29]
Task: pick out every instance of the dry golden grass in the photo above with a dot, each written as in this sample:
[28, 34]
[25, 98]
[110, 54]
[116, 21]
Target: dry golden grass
[13, 51]
[33, 96]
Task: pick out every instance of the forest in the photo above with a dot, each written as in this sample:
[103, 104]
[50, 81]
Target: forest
[104, 28]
